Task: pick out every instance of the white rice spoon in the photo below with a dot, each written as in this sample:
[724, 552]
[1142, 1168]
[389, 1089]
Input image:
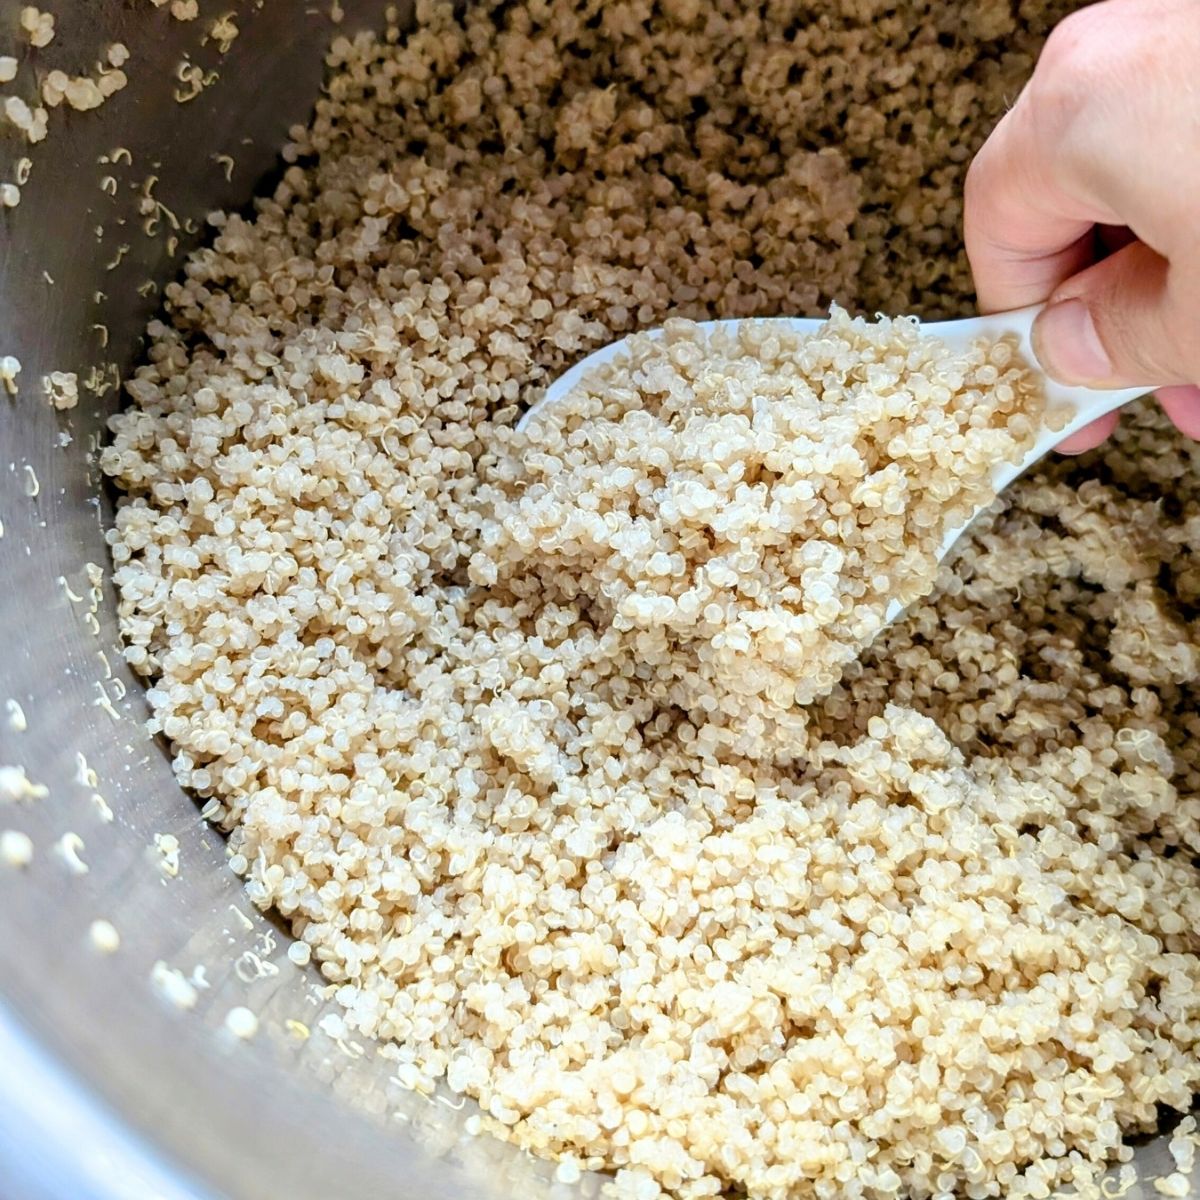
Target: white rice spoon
[1086, 404]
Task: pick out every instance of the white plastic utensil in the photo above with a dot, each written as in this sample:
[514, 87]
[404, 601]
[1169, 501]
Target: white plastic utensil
[1088, 403]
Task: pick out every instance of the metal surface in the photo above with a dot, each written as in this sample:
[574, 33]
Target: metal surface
[107, 1091]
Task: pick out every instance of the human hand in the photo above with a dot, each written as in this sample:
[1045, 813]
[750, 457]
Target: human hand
[1087, 195]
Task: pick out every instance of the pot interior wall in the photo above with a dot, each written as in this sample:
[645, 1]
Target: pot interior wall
[106, 1089]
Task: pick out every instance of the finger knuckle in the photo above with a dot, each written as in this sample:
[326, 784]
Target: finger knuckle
[1083, 55]
[1070, 41]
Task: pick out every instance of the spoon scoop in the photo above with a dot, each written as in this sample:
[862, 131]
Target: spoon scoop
[1085, 404]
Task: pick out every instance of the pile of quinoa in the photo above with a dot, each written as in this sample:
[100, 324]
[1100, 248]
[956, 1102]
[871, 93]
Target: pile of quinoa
[752, 505]
[939, 938]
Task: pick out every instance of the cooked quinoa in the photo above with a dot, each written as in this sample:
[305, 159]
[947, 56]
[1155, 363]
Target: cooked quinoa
[751, 506]
[944, 942]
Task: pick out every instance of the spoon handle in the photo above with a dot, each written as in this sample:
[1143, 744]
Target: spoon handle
[1088, 404]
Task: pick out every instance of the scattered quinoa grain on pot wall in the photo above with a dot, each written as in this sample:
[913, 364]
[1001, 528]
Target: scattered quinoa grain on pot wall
[104, 936]
[16, 848]
[38, 26]
[241, 1022]
[10, 368]
[931, 934]
[61, 389]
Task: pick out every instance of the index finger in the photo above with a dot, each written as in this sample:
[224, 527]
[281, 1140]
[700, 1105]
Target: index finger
[1024, 234]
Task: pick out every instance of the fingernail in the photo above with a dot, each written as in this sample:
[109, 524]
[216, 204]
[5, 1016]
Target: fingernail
[1068, 346]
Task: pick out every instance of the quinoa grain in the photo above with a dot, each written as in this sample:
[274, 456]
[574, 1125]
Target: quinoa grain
[104, 936]
[10, 368]
[16, 787]
[173, 986]
[68, 849]
[38, 26]
[61, 389]
[16, 848]
[241, 1022]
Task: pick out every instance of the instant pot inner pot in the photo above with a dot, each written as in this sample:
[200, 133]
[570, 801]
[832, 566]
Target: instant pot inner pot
[106, 1089]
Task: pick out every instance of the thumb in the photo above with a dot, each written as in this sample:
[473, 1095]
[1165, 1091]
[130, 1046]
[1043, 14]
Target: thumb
[1121, 323]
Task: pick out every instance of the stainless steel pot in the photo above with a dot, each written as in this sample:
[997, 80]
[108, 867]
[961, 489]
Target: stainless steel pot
[106, 1089]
